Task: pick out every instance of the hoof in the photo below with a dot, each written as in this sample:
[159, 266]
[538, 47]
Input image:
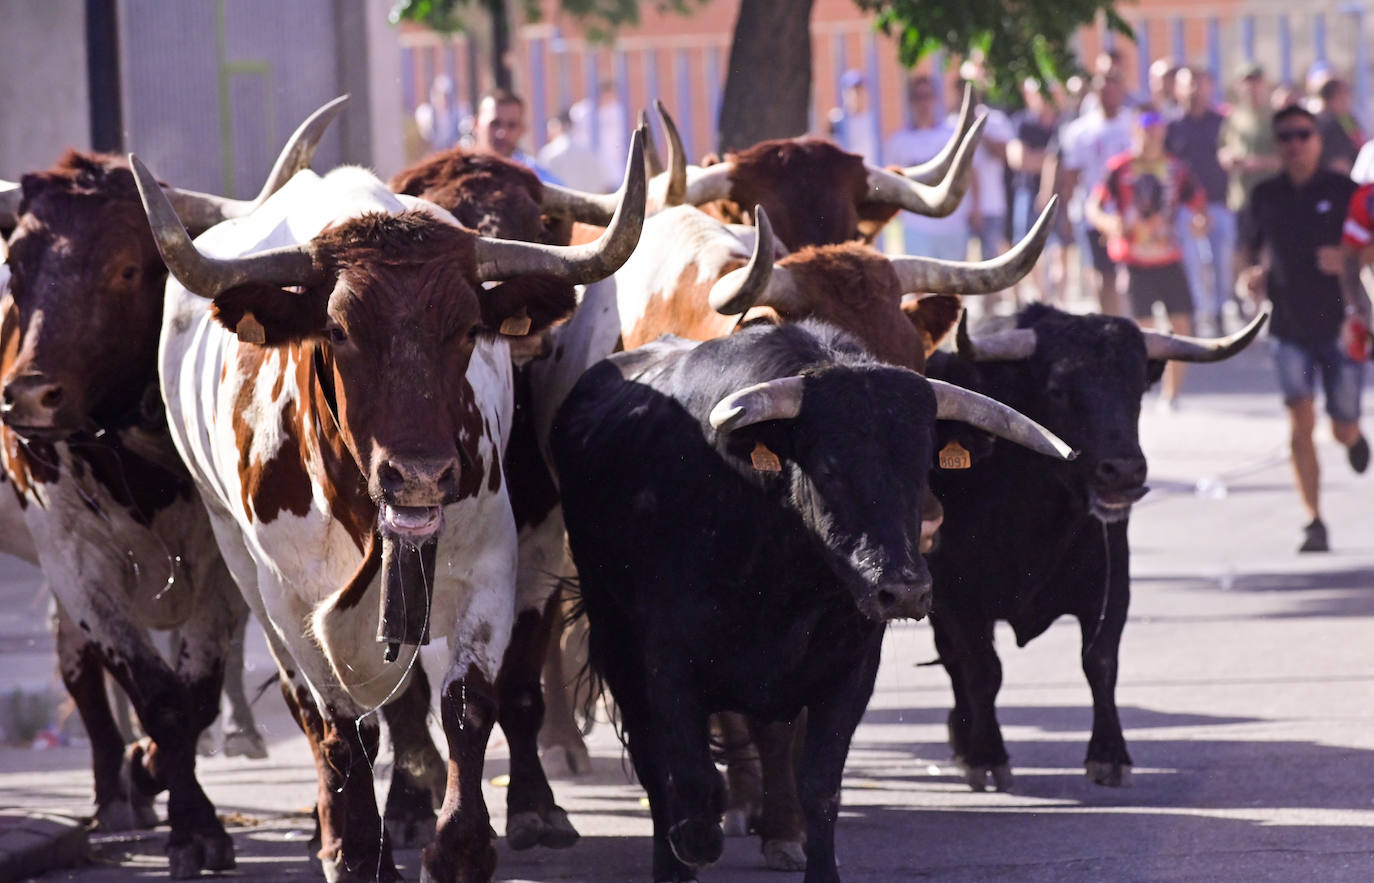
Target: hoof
[977, 776]
[184, 862]
[125, 815]
[696, 842]
[1113, 775]
[219, 852]
[411, 833]
[784, 855]
[245, 743]
[205, 745]
[524, 830]
[559, 833]
[567, 760]
[737, 822]
[335, 871]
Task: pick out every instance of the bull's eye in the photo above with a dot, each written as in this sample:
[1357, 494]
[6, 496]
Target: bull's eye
[129, 272]
[337, 335]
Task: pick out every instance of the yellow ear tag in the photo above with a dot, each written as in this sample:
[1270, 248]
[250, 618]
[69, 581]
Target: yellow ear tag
[763, 459]
[517, 325]
[250, 330]
[953, 456]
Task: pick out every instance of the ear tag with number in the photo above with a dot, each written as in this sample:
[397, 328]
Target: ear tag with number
[763, 459]
[517, 325]
[954, 456]
[250, 330]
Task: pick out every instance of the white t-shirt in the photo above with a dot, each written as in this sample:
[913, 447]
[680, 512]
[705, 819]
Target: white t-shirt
[1087, 144]
[990, 171]
[574, 165]
[907, 147]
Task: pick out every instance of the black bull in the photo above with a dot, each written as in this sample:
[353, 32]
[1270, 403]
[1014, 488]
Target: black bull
[746, 560]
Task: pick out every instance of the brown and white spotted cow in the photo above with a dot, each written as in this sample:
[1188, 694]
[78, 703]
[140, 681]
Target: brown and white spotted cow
[337, 384]
[123, 541]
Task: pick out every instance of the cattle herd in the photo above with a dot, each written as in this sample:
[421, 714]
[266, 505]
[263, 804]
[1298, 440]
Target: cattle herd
[703, 408]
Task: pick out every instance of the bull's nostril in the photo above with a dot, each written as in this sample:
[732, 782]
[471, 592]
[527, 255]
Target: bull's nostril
[886, 598]
[390, 477]
[447, 475]
[52, 399]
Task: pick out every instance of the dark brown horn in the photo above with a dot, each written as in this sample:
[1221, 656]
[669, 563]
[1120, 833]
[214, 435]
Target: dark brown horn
[675, 191]
[201, 211]
[204, 275]
[934, 201]
[588, 208]
[956, 403]
[918, 274]
[1004, 346]
[933, 170]
[653, 162]
[739, 290]
[503, 258]
[1201, 349]
[779, 399]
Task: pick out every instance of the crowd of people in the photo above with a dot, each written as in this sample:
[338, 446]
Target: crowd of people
[1183, 209]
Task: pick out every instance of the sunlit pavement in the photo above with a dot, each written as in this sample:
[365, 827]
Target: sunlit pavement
[1247, 674]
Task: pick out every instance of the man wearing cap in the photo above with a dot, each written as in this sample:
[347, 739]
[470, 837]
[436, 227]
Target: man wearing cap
[1291, 236]
[852, 125]
[1247, 151]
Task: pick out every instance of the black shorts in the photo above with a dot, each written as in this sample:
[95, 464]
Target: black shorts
[1167, 284]
[1097, 246]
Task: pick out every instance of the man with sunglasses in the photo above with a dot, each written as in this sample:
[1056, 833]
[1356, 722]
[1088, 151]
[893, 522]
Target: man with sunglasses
[1291, 252]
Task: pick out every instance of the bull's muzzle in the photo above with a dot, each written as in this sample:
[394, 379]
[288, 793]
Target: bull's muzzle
[33, 404]
[413, 492]
[906, 594]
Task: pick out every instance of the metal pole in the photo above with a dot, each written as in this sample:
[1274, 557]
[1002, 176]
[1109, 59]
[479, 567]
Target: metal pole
[1247, 36]
[682, 74]
[713, 96]
[875, 95]
[1319, 36]
[539, 124]
[1285, 49]
[1214, 46]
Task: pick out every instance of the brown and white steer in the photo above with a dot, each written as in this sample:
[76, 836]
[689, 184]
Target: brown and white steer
[336, 382]
[123, 541]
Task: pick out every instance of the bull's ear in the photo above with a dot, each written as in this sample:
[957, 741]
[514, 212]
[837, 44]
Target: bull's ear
[933, 317]
[531, 303]
[270, 315]
[1154, 369]
[873, 217]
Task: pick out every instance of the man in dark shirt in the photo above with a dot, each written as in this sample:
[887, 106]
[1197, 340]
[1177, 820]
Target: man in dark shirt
[1193, 138]
[1291, 252]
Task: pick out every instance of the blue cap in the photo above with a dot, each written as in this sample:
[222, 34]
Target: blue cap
[851, 78]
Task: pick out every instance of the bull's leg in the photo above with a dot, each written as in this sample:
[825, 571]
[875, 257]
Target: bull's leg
[354, 844]
[831, 720]
[119, 805]
[462, 850]
[561, 667]
[532, 817]
[696, 794]
[743, 773]
[966, 650]
[241, 737]
[1107, 761]
[417, 775]
[781, 826]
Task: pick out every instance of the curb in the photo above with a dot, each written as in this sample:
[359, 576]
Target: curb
[33, 843]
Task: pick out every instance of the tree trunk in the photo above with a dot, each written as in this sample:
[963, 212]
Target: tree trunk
[500, 44]
[768, 87]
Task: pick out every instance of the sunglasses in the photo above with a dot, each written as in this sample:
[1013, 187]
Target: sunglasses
[1294, 135]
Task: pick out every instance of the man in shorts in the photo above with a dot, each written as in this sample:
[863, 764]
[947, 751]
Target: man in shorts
[1290, 240]
[1134, 209]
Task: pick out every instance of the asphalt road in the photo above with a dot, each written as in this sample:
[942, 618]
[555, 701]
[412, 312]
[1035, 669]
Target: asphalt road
[1247, 674]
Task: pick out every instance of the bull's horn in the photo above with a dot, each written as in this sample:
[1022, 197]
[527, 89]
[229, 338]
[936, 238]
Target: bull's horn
[207, 276]
[1011, 345]
[739, 290]
[1202, 349]
[11, 194]
[653, 162]
[588, 208]
[503, 258]
[956, 403]
[933, 170]
[779, 399]
[201, 211]
[918, 274]
[708, 184]
[675, 188]
[936, 200]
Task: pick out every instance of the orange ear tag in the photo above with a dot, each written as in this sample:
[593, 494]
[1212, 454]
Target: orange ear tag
[250, 330]
[953, 456]
[517, 325]
[763, 459]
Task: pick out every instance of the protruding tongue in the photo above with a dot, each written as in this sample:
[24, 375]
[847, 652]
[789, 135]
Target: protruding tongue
[411, 522]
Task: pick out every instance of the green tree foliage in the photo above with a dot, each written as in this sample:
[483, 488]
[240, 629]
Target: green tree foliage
[1017, 38]
[600, 18]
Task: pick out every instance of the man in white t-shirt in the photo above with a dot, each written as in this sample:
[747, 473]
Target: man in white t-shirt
[852, 124]
[1087, 144]
[988, 214]
[945, 238]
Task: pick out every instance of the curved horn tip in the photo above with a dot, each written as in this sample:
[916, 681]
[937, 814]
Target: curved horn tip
[741, 289]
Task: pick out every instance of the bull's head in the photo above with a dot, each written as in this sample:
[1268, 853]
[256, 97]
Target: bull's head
[1084, 376]
[394, 305]
[85, 298]
[852, 480]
